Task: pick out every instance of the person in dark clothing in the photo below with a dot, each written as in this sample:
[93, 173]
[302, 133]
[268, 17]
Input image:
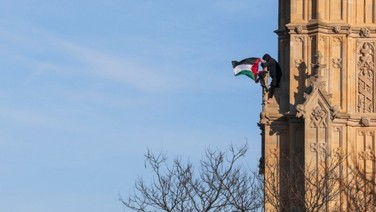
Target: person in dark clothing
[261, 78]
[275, 73]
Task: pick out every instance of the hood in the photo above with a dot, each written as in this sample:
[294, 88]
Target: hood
[266, 57]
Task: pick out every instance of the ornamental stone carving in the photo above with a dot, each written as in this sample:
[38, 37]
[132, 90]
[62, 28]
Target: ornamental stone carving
[318, 117]
[337, 129]
[336, 29]
[329, 63]
[349, 31]
[319, 148]
[278, 130]
[317, 60]
[264, 118]
[367, 154]
[323, 148]
[364, 121]
[337, 62]
[334, 111]
[299, 39]
[337, 39]
[273, 156]
[298, 29]
[365, 99]
[300, 111]
[313, 147]
[365, 32]
[317, 64]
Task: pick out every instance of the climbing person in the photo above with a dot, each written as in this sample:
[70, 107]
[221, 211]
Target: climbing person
[275, 73]
[261, 75]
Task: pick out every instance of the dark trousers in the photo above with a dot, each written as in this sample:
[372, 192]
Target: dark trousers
[261, 78]
[271, 91]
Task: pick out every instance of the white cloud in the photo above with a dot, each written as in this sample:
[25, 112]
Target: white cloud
[45, 51]
[141, 76]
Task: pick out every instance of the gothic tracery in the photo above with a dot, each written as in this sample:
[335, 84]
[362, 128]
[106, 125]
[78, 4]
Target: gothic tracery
[366, 80]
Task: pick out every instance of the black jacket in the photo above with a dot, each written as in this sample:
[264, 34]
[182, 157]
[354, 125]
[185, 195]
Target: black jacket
[273, 68]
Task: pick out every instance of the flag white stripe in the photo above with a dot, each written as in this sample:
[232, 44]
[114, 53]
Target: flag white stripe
[242, 67]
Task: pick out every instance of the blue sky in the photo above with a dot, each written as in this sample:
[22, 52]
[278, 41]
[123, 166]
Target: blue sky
[86, 87]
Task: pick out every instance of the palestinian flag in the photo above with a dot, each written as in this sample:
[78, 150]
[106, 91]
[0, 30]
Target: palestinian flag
[248, 67]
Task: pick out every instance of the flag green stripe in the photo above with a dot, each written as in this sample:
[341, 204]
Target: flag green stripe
[242, 67]
[247, 73]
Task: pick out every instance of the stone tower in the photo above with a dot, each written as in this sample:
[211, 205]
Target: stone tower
[327, 99]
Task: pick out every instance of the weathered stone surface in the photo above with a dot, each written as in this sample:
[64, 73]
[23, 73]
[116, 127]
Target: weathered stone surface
[327, 98]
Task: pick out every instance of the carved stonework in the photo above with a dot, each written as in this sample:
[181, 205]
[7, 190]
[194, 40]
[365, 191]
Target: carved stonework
[367, 154]
[313, 147]
[318, 117]
[337, 129]
[336, 29]
[349, 31]
[323, 40]
[365, 32]
[278, 130]
[323, 148]
[273, 156]
[337, 62]
[319, 148]
[366, 80]
[328, 91]
[317, 65]
[365, 122]
[338, 152]
[317, 59]
[300, 111]
[362, 133]
[365, 133]
[316, 83]
[299, 39]
[298, 29]
[274, 152]
[337, 39]
[264, 118]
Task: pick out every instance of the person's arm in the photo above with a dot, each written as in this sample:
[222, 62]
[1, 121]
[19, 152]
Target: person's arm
[267, 63]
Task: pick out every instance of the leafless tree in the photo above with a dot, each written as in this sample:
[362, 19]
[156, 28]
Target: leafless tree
[291, 185]
[360, 189]
[220, 184]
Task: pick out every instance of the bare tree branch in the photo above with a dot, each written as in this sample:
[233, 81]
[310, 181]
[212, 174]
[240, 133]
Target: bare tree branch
[219, 184]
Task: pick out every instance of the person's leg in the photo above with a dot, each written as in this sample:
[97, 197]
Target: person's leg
[262, 82]
[271, 93]
[262, 75]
